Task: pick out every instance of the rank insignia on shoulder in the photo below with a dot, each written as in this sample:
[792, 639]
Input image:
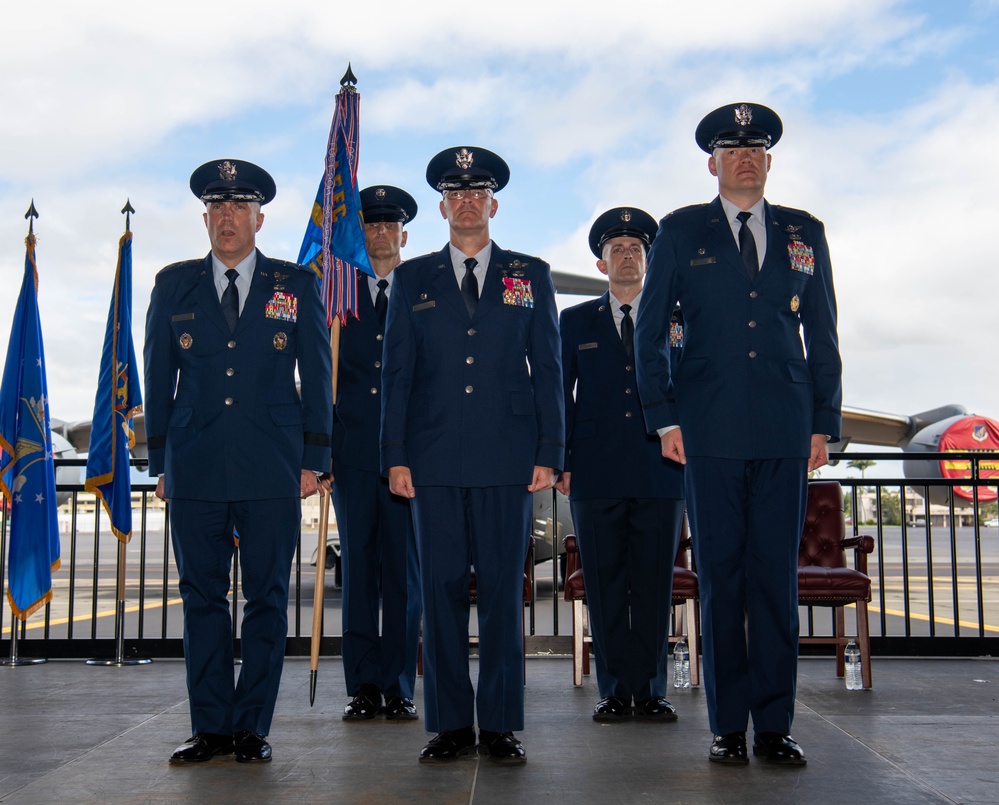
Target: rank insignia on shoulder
[186, 341]
[517, 292]
[795, 303]
[283, 307]
[280, 341]
[802, 257]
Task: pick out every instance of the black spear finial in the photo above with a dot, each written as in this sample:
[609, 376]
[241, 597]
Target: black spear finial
[349, 80]
[31, 215]
[127, 211]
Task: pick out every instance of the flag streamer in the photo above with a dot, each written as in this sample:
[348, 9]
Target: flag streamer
[333, 245]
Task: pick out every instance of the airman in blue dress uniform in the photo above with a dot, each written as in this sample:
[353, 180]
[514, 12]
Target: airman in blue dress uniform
[377, 542]
[472, 425]
[235, 446]
[749, 409]
[626, 499]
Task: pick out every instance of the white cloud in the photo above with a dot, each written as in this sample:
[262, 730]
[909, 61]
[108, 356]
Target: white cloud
[592, 108]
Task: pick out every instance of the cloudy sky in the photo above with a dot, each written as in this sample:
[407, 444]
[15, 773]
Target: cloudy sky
[891, 136]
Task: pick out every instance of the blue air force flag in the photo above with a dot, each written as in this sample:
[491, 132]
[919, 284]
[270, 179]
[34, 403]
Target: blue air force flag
[27, 472]
[119, 397]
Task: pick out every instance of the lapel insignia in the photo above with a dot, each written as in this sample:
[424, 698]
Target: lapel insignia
[802, 257]
[280, 341]
[186, 341]
[517, 292]
[283, 307]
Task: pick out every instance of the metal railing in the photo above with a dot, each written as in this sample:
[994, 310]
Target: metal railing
[934, 571]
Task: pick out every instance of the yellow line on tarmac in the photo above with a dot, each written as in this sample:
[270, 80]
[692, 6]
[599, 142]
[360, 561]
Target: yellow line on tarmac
[106, 614]
[920, 617]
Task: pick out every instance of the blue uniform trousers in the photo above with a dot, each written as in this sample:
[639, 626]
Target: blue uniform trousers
[746, 518]
[628, 547]
[378, 556]
[202, 533]
[490, 528]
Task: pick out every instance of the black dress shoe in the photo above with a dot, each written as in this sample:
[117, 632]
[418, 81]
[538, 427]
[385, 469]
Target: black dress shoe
[201, 747]
[776, 748]
[501, 747]
[400, 708]
[365, 704]
[612, 708]
[729, 749]
[449, 746]
[251, 747]
[656, 708]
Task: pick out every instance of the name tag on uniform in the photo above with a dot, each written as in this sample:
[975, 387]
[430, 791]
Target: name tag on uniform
[590, 345]
[182, 317]
[424, 305]
[702, 261]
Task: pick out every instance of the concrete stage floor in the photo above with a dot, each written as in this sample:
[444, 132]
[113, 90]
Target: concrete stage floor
[927, 733]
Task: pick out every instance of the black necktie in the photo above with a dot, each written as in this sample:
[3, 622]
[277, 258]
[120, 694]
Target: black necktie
[470, 286]
[747, 246]
[381, 302]
[230, 300]
[628, 331]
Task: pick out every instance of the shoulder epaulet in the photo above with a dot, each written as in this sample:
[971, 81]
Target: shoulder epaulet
[688, 208]
[794, 211]
[184, 265]
[288, 265]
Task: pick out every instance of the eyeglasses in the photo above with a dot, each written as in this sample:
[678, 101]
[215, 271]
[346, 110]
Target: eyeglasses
[476, 194]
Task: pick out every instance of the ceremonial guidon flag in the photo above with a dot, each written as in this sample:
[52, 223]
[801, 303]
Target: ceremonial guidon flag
[333, 246]
[27, 472]
[119, 397]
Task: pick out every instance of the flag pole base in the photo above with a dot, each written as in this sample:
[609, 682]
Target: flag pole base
[22, 661]
[120, 663]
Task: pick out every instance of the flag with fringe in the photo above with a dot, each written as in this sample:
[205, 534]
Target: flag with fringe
[333, 245]
[27, 470]
[119, 398]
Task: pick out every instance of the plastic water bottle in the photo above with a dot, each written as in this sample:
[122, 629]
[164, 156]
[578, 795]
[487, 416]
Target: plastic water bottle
[854, 680]
[681, 664]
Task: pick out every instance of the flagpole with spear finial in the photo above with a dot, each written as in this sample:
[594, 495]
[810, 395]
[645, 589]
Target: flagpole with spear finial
[341, 254]
[119, 658]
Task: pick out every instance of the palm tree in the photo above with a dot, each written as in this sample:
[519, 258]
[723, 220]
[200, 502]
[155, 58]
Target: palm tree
[861, 464]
